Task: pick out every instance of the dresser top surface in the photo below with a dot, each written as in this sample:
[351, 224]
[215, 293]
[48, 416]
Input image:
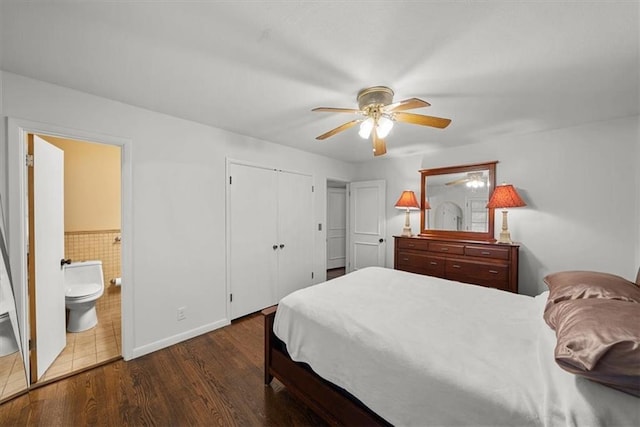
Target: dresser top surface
[466, 242]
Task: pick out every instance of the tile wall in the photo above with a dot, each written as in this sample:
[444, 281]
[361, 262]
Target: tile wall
[101, 245]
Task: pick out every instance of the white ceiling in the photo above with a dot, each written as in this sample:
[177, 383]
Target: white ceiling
[258, 67]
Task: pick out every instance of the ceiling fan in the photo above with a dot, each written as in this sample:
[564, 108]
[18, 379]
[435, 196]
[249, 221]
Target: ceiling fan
[472, 180]
[379, 112]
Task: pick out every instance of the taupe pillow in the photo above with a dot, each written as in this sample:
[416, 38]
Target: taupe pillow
[600, 340]
[572, 285]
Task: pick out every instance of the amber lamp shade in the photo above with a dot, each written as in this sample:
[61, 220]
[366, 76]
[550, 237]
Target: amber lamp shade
[505, 196]
[409, 202]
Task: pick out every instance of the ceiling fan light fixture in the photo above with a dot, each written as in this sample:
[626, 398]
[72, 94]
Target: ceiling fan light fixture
[378, 112]
[365, 128]
[384, 127]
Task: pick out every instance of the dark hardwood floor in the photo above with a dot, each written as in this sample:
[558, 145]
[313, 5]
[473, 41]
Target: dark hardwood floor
[335, 272]
[213, 379]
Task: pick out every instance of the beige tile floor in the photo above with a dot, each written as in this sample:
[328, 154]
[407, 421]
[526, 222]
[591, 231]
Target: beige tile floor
[97, 345]
[12, 375]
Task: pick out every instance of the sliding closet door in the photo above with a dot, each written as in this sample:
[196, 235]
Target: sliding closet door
[295, 232]
[252, 236]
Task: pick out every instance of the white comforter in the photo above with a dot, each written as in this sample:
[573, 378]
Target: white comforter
[425, 351]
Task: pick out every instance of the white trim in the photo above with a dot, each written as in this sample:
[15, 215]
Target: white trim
[175, 339]
[17, 129]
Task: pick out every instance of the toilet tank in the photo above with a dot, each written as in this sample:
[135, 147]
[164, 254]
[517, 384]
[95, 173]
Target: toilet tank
[84, 272]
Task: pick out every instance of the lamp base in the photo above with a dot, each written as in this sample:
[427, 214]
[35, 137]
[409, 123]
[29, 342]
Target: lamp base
[505, 237]
[406, 231]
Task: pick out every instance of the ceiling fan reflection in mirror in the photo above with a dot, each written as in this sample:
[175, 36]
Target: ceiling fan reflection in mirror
[379, 112]
[472, 180]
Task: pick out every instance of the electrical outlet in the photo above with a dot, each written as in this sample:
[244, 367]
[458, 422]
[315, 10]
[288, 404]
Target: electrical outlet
[182, 313]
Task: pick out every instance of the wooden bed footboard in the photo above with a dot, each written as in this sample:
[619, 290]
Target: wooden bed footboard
[332, 403]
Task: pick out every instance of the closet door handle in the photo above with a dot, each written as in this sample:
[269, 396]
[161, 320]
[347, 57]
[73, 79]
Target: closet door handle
[275, 247]
[64, 261]
[281, 246]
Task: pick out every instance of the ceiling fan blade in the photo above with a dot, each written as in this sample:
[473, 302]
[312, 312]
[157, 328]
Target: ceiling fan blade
[340, 128]
[407, 104]
[457, 181]
[379, 146]
[336, 110]
[418, 119]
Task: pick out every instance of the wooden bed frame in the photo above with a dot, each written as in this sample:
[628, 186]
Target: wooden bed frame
[332, 403]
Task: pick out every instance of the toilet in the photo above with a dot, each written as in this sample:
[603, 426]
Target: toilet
[84, 284]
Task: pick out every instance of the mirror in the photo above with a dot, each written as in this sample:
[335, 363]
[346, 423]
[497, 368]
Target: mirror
[456, 197]
[13, 378]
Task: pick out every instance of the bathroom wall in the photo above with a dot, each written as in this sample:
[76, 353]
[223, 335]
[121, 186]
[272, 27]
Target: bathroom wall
[91, 203]
[91, 184]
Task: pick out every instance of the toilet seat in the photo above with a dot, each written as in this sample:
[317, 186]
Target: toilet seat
[82, 290]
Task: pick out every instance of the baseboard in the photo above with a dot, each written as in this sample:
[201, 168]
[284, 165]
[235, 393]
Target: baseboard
[175, 339]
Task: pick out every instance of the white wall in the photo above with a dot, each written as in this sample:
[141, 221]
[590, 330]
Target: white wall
[580, 184]
[179, 183]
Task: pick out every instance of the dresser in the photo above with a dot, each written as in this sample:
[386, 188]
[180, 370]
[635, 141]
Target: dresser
[481, 263]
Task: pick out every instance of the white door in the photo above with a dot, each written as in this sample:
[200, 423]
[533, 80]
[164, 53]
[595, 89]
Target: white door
[253, 242]
[367, 224]
[295, 232]
[47, 252]
[336, 227]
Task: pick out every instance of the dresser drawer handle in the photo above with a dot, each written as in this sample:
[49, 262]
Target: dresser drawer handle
[444, 249]
[493, 271]
[485, 253]
[405, 259]
[455, 266]
[411, 245]
[433, 263]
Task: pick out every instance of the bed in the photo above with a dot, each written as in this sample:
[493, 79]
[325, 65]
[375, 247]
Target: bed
[381, 346]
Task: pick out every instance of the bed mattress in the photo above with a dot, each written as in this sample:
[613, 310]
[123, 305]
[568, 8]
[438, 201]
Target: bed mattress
[420, 350]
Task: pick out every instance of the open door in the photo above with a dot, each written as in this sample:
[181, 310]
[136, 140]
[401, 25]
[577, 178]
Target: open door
[46, 251]
[367, 224]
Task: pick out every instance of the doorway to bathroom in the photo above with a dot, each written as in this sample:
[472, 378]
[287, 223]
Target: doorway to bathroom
[90, 211]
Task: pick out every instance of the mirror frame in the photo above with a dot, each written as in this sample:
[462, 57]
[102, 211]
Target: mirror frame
[449, 234]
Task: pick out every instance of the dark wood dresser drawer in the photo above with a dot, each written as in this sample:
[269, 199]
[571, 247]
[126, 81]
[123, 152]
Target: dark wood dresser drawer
[420, 263]
[493, 275]
[447, 248]
[415, 244]
[485, 252]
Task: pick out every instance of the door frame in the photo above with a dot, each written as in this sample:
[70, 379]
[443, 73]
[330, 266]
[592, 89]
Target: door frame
[347, 230]
[17, 130]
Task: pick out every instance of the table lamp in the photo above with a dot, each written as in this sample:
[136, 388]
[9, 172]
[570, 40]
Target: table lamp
[505, 196]
[409, 202]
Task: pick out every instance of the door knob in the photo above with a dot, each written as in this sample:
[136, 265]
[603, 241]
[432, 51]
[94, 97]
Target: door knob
[275, 247]
[281, 245]
[381, 240]
[64, 261]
